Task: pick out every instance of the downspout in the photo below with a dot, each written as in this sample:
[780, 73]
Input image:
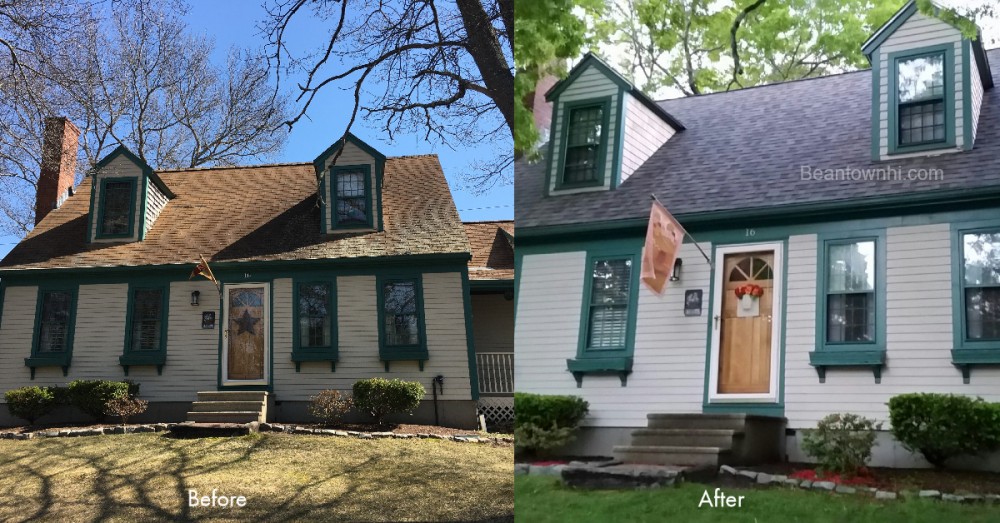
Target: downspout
[437, 382]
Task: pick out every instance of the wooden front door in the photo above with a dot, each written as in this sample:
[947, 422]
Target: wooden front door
[746, 324]
[245, 337]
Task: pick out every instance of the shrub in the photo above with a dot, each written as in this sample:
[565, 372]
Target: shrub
[125, 407]
[381, 397]
[941, 426]
[92, 396]
[329, 406]
[841, 443]
[30, 403]
[543, 423]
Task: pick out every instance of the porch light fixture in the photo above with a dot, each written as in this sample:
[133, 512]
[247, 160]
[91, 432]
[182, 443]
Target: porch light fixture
[676, 275]
[194, 298]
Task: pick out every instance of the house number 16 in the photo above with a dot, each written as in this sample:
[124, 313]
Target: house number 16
[751, 233]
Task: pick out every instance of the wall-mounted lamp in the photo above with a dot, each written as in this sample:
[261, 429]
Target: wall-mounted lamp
[194, 298]
[676, 275]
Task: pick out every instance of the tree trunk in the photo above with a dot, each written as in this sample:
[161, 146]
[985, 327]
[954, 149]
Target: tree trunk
[484, 46]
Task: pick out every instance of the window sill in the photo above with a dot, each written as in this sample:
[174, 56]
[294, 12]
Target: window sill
[906, 149]
[132, 359]
[54, 360]
[300, 355]
[620, 365]
[417, 354]
[965, 359]
[872, 358]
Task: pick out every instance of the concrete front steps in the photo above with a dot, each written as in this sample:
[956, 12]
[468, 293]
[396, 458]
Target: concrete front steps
[705, 440]
[229, 407]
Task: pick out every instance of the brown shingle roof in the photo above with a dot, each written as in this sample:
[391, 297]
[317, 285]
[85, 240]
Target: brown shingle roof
[260, 213]
[492, 252]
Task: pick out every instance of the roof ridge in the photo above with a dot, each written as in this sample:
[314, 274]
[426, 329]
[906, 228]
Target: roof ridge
[761, 86]
[426, 155]
[215, 167]
[470, 222]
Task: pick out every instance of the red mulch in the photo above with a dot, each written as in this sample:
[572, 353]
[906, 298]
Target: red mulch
[951, 481]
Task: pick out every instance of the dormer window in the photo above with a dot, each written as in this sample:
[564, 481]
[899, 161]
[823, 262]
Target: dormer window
[922, 101]
[117, 211]
[585, 141]
[352, 197]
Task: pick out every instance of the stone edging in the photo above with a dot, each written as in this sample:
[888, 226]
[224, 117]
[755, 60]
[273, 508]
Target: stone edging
[264, 427]
[762, 478]
[93, 431]
[295, 429]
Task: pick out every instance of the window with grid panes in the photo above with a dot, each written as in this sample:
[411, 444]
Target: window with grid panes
[610, 283]
[583, 145]
[981, 285]
[147, 320]
[352, 198]
[921, 92]
[850, 292]
[116, 213]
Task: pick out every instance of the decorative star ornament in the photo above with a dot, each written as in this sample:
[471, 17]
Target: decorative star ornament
[246, 323]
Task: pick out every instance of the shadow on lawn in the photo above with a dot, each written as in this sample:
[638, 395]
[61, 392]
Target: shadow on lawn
[127, 484]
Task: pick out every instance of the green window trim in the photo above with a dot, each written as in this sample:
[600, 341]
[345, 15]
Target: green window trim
[566, 109]
[63, 359]
[98, 232]
[414, 352]
[948, 51]
[606, 361]
[369, 211]
[966, 353]
[157, 357]
[328, 353]
[850, 354]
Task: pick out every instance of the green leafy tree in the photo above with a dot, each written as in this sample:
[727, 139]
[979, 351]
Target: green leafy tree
[548, 34]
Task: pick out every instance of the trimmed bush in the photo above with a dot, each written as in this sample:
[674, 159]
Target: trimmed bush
[30, 403]
[381, 397]
[841, 443]
[329, 406]
[543, 423]
[126, 407]
[92, 396]
[942, 426]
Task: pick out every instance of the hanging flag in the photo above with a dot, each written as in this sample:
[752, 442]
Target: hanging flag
[203, 270]
[664, 236]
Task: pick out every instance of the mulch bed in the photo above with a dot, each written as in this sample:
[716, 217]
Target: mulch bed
[952, 481]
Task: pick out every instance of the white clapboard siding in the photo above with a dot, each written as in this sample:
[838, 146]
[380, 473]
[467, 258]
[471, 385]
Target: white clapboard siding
[977, 95]
[918, 334]
[120, 167]
[18, 324]
[357, 323]
[547, 322]
[351, 155]
[155, 202]
[591, 83]
[918, 31]
[669, 357]
[492, 323]
[645, 133]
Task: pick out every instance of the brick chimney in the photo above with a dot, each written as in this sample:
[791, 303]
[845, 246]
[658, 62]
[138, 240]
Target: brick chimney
[542, 109]
[59, 149]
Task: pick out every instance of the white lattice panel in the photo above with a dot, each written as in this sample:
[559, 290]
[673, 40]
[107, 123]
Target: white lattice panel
[499, 412]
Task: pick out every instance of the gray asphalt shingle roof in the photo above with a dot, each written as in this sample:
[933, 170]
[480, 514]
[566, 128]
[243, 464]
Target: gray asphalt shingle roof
[745, 150]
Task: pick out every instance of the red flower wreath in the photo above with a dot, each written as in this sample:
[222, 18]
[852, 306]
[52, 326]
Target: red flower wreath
[753, 290]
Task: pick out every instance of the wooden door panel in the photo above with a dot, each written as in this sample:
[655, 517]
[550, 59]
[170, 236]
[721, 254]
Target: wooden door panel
[745, 342]
[245, 350]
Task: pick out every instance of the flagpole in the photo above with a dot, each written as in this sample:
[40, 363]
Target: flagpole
[694, 241]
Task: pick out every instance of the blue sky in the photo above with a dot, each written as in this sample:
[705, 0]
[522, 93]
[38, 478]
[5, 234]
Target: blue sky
[233, 22]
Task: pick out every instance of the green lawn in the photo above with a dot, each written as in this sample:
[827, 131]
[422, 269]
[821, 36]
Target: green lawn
[284, 478]
[541, 499]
